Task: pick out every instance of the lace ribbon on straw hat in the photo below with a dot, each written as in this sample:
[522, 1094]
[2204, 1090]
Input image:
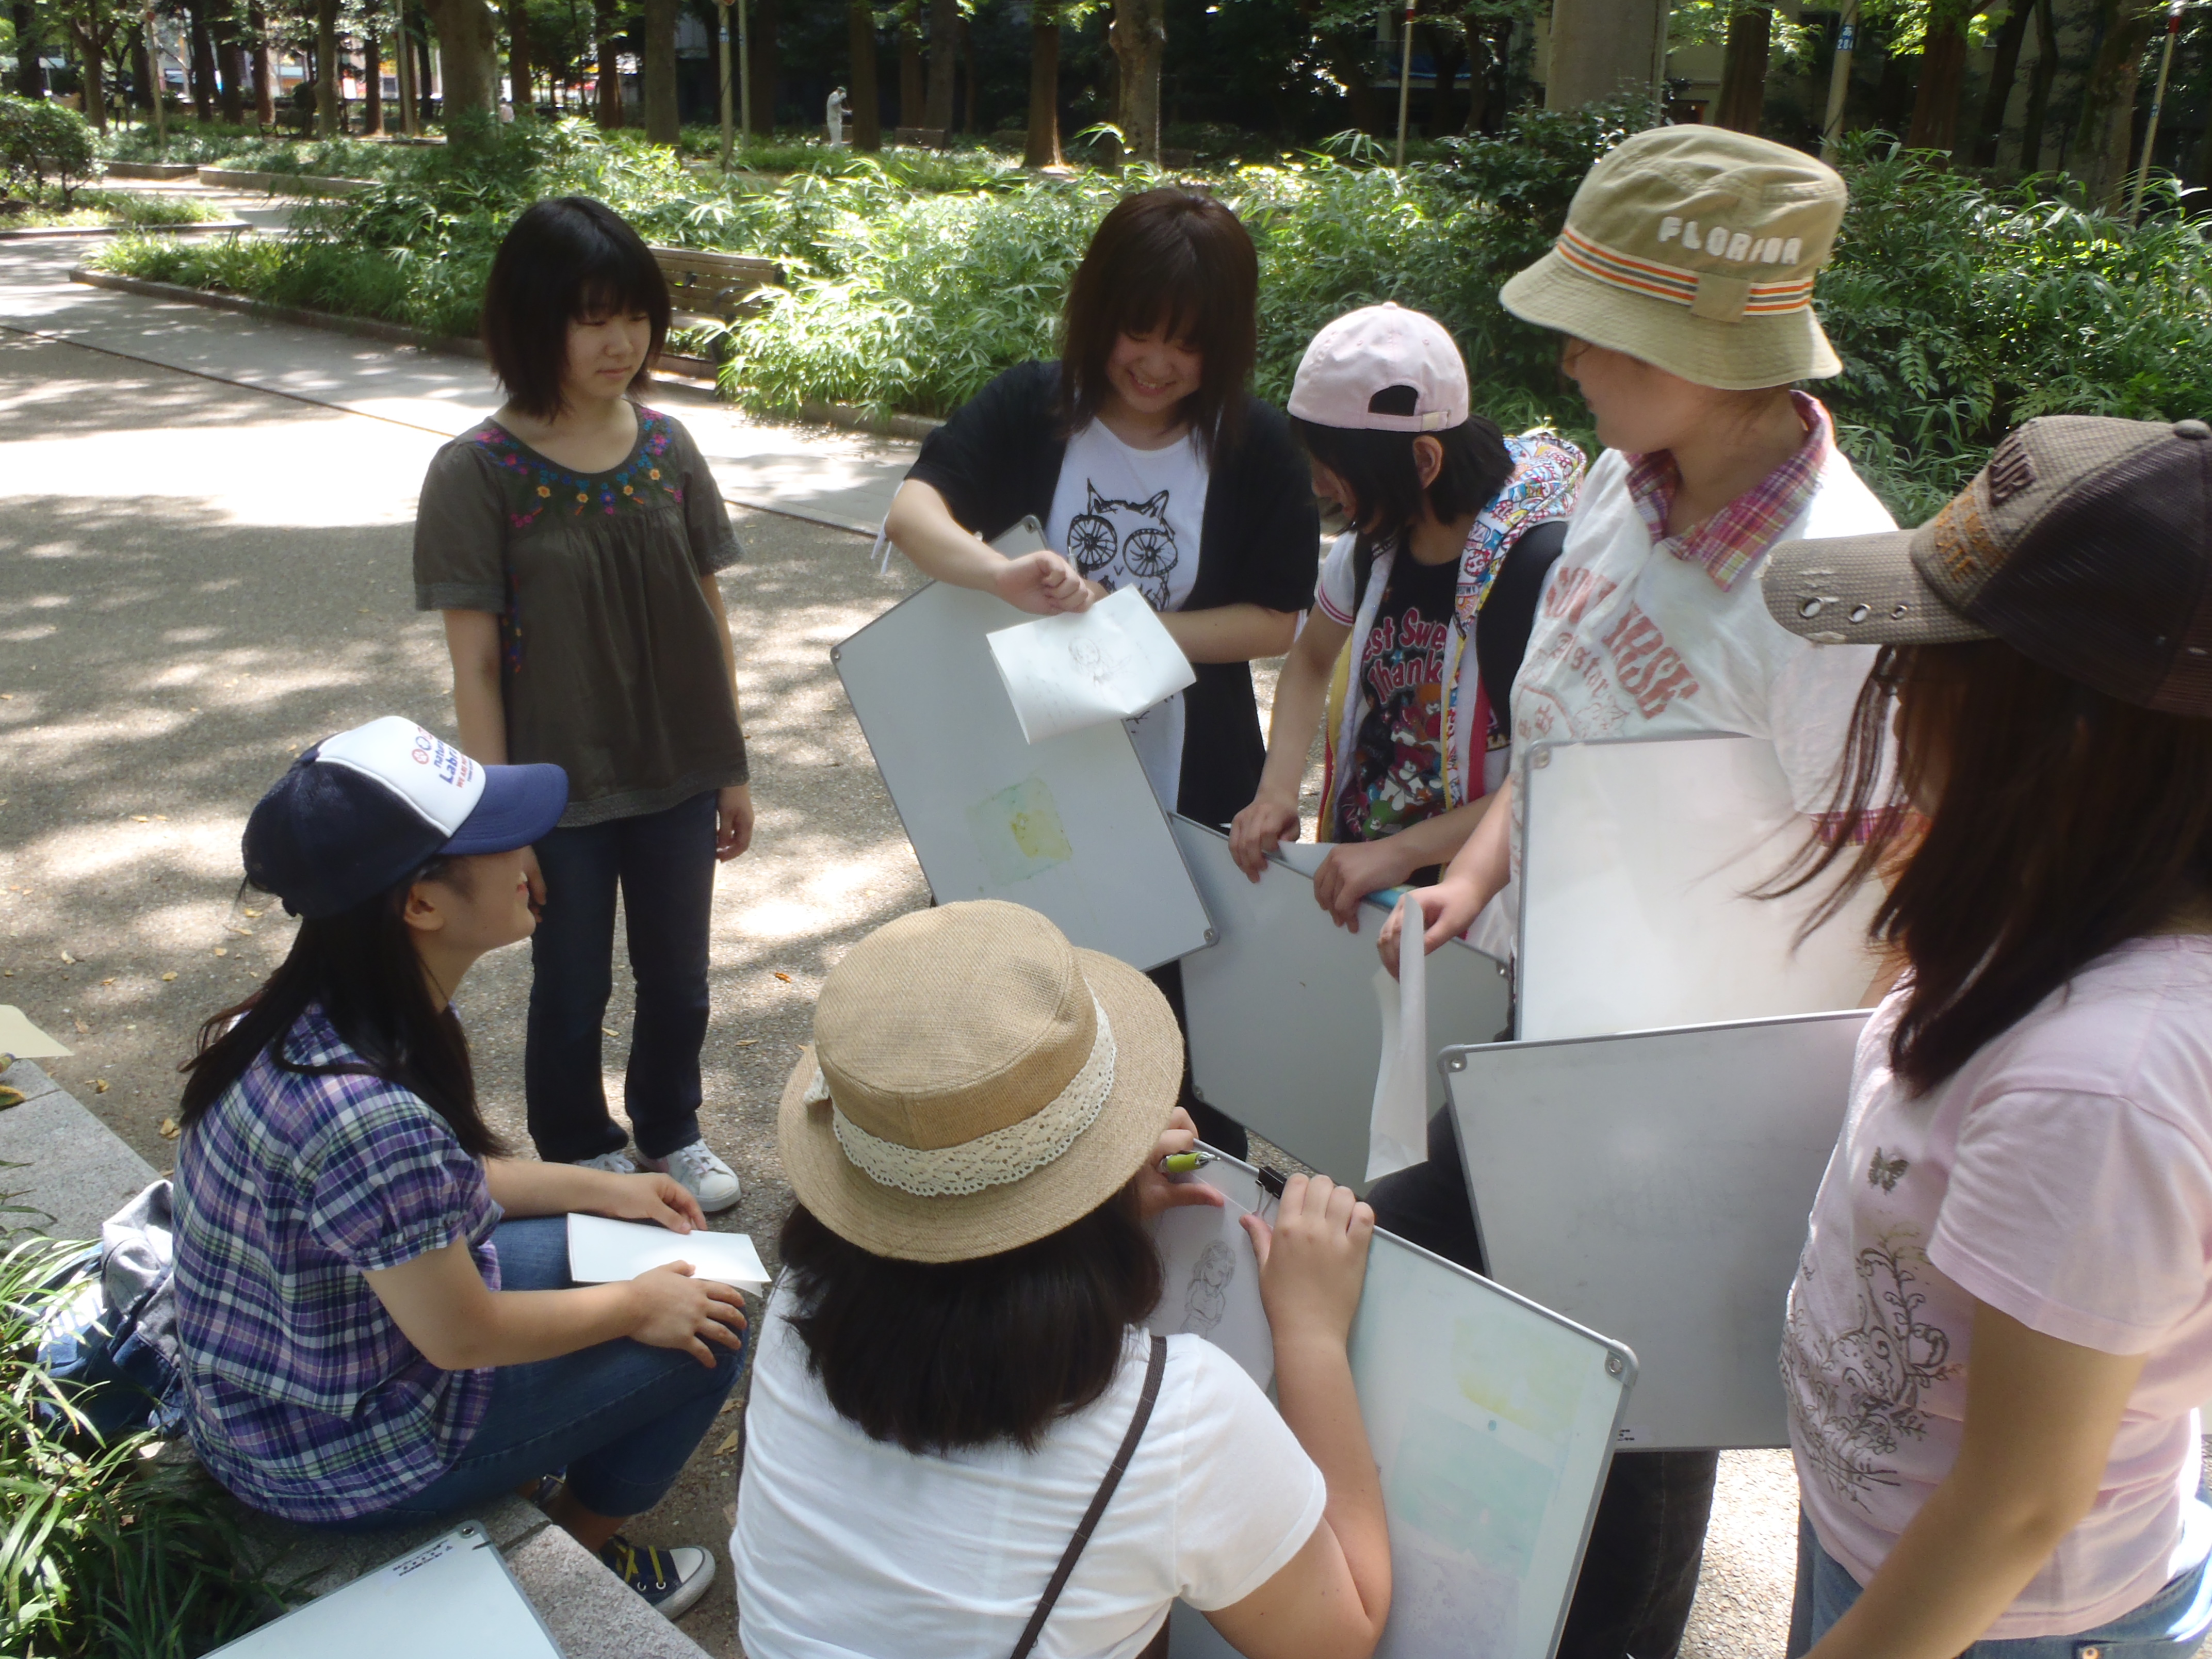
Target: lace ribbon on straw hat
[1659, 281]
[989, 1160]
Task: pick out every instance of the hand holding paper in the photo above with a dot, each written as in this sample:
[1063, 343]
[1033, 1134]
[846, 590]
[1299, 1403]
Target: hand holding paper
[1111, 662]
[1397, 1124]
[601, 1251]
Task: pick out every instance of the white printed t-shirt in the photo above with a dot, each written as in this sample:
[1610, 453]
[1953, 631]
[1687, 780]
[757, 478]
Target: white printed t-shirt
[2064, 1176]
[1130, 517]
[1631, 641]
[847, 1546]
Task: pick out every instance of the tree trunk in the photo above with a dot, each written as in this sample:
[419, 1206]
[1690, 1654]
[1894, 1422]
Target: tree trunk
[326, 67]
[1482, 50]
[2105, 134]
[265, 69]
[2039, 87]
[662, 125]
[517, 58]
[427, 83]
[609, 77]
[372, 116]
[230, 64]
[1137, 34]
[1601, 47]
[2004, 72]
[1934, 123]
[970, 117]
[912, 95]
[1447, 51]
[2202, 173]
[141, 71]
[944, 54]
[865, 100]
[468, 64]
[92, 71]
[767, 64]
[1043, 147]
[200, 55]
[30, 73]
[1742, 99]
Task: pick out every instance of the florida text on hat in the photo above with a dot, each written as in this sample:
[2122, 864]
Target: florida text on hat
[1358, 357]
[976, 1083]
[360, 811]
[1695, 248]
[2084, 545]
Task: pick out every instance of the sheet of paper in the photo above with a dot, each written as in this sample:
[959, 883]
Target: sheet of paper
[1111, 662]
[19, 1037]
[1398, 1119]
[601, 1251]
[1211, 1283]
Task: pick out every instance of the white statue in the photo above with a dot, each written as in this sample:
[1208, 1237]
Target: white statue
[836, 111]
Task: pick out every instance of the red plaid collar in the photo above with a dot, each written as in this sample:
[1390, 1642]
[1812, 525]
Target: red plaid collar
[1738, 536]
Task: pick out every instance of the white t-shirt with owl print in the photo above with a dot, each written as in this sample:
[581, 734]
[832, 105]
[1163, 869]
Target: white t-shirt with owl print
[1130, 517]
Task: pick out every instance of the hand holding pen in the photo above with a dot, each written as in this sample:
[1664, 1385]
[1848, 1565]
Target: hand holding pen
[1176, 1153]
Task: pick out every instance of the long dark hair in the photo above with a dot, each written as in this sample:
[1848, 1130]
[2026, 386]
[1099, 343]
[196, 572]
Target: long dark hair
[1171, 258]
[939, 1355]
[565, 260]
[1379, 469]
[2064, 822]
[359, 966]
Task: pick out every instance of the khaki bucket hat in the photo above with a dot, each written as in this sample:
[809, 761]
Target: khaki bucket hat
[976, 1083]
[1695, 248]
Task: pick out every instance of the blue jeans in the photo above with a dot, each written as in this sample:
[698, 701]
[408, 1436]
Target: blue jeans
[663, 863]
[622, 1418]
[2169, 1626]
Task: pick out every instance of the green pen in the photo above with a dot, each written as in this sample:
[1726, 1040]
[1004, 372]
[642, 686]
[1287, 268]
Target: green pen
[1185, 1163]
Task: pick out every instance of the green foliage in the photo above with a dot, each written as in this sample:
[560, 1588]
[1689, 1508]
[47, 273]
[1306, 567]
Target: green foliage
[42, 141]
[103, 1550]
[115, 207]
[217, 145]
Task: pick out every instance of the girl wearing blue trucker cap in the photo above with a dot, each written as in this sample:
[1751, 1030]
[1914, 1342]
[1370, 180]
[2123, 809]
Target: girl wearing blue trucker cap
[373, 1306]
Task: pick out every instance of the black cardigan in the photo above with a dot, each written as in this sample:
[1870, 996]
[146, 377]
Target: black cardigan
[998, 460]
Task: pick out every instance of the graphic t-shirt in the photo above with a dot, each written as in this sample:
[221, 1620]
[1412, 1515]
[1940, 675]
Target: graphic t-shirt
[2063, 1176]
[1130, 517]
[1394, 774]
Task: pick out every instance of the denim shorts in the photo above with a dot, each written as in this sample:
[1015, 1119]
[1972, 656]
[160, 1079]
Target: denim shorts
[2170, 1625]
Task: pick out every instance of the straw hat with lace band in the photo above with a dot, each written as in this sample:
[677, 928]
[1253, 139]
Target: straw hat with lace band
[976, 1083]
[1694, 249]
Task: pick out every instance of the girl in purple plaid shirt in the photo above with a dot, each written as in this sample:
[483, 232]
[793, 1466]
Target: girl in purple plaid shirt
[375, 1308]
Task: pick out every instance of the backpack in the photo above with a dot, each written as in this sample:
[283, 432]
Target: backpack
[108, 1335]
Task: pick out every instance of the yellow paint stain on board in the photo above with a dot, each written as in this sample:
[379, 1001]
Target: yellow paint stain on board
[1019, 832]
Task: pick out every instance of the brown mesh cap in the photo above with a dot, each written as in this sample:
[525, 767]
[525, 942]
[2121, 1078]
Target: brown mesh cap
[2086, 545]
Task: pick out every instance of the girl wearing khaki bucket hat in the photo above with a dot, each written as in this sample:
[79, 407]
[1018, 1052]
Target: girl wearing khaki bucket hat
[1682, 282]
[954, 1356]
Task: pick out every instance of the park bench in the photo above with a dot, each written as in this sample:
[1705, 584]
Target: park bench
[705, 287]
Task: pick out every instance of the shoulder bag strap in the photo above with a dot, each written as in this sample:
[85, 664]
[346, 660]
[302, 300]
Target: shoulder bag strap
[1508, 616]
[1153, 1372]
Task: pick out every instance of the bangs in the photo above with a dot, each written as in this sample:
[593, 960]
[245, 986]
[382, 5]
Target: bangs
[568, 259]
[615, 285]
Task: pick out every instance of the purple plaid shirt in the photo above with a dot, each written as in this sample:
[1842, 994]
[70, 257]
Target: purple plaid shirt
[301, 1394]
[1739, 535]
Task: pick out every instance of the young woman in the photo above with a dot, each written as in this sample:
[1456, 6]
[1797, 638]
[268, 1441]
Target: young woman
[375, 1308]
[955, 1351]
[573, 542]
[1682, 283]
[1438, 498]
[2002, 1324]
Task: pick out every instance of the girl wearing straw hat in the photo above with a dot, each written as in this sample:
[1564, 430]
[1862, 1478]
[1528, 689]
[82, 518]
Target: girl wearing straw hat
[1682, 284]
[955, 1354]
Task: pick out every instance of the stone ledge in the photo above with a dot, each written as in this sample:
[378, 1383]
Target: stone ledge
[281, 184]
[76, 1169]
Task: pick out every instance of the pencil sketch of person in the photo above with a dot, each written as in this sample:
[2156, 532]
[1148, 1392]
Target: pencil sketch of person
[1207, 1299]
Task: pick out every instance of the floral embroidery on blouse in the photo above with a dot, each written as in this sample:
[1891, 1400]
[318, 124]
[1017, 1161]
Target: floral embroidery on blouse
[536, 486]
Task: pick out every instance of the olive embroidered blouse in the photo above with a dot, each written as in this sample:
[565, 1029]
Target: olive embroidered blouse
[609, 662]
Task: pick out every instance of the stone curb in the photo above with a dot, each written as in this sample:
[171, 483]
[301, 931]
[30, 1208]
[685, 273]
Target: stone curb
[35, 233]
[282, 183]
[150, 169]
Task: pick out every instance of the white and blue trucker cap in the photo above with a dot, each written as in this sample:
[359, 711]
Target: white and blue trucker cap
[359, 812]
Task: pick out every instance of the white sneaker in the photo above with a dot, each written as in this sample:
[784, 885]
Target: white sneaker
[672, 1580]
[612, 1162]
[709, 1180]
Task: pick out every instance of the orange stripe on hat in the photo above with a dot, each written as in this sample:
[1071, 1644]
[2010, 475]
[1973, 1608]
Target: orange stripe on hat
[1634, 276]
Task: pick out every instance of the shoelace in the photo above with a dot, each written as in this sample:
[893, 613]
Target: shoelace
[654, 1575]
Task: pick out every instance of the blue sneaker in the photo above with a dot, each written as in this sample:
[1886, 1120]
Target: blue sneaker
[672, 1580]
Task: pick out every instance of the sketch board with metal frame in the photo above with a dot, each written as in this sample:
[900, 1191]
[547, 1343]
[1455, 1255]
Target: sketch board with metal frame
[1285, 1032]
[1640, 858]
[453, 1598]
[1068, 827]
[1656, 1185]
[1493, 1421]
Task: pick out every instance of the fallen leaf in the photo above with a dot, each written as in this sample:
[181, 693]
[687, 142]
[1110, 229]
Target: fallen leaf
[728, 1406]
[605, 1031]
[220, 950]
[253, 915]
[163, 818]
[137, 818]
[729, 1445]
[747, 1043]
[243, 932]
[100, 1085]
[106, 982]
[166, 977]
[82, 1030]
[9, 1097]
[786, 978]
[169, 1130]
[67, 957]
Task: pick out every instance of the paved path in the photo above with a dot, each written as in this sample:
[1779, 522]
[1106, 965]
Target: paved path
[197, 576]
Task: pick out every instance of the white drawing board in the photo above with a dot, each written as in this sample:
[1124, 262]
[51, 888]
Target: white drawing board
[1067, 826]
[1285, 1032]
[602, 1250]
[1655, 1186]
[454, 1598]
[1635, 908]
[1493, 1421]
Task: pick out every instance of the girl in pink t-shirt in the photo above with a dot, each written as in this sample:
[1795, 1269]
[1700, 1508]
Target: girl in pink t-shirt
[2001, 1327]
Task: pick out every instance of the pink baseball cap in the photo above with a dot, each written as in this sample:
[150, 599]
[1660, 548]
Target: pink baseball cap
[1359, 355]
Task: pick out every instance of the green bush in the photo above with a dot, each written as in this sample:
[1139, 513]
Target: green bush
[43, 142]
